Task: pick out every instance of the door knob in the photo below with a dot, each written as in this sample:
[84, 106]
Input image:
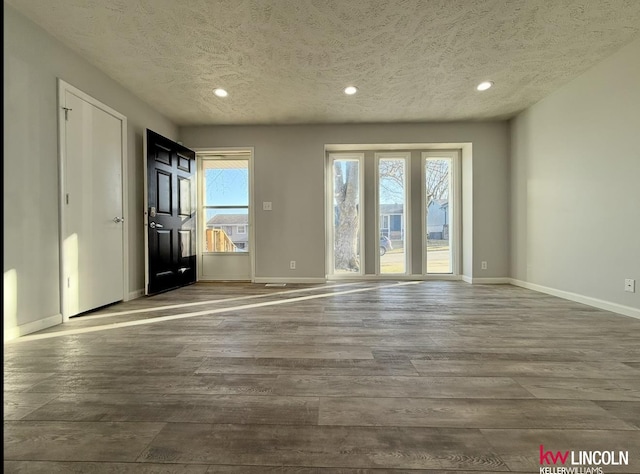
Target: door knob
[153, 225]
[117, 220]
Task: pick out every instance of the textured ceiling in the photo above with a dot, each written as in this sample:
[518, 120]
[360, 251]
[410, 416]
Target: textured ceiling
[287, 61]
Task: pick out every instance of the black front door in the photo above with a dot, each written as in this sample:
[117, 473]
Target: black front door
[170, 214]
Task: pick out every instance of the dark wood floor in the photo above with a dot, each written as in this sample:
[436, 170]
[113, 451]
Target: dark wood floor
[365, 377]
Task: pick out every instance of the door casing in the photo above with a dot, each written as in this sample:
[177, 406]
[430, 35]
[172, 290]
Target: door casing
[330, 214]
[455, 197]
[405, 156]
[63, 88]
[225, 259]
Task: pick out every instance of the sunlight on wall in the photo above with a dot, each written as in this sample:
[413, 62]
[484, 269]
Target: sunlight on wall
[10, 297]
[71, 294]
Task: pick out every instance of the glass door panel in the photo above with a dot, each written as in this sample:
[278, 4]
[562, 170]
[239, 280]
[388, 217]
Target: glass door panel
[226, 205]
[392, 205]
[439, 231]
[346, 218]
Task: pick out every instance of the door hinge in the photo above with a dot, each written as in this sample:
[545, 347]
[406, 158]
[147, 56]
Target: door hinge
[68, 282]
[67, 198]
[66, 112]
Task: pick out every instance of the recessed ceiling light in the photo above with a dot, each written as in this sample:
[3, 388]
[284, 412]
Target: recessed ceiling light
[350, 90]
[483, 86]
[221, 92]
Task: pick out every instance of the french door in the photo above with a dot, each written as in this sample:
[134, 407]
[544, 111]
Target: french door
[441, 211]
[345, 214]
[393, 214]
[393, 211]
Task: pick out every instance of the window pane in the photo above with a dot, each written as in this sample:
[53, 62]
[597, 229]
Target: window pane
[392, 203]
[227, 230]
[226, 182]
[346, 205]
[438, 212]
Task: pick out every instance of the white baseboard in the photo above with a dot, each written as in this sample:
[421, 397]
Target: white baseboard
[438, 277]
[135, 294]
[588, 300]
[487, 281]
[491, 281]
[288, 280]
[34, 326]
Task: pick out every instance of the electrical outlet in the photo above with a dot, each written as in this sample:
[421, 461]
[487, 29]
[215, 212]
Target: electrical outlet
[266, 206]
[484, 265]
[292, 265]
[630, 285]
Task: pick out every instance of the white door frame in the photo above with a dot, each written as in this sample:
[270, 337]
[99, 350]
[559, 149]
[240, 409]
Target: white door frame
[201, 221]
[406, 217]
[330, 215]
[455, 196]
[64, 87]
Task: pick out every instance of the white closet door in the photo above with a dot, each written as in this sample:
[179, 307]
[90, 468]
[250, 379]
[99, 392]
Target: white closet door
[93, 231]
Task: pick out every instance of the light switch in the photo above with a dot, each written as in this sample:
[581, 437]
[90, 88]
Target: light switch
[266, 206]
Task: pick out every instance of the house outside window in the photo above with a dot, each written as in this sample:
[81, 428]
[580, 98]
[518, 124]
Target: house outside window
[392, 221]
[225, 225]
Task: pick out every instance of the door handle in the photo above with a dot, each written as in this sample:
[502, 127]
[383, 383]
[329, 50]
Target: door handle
[153, 225]
[117, 220]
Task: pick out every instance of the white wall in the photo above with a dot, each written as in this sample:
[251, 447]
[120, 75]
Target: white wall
[575, 186]
[33, 60]
[289, 172]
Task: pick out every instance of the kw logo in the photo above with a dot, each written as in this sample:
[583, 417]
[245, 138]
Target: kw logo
[550, 457]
